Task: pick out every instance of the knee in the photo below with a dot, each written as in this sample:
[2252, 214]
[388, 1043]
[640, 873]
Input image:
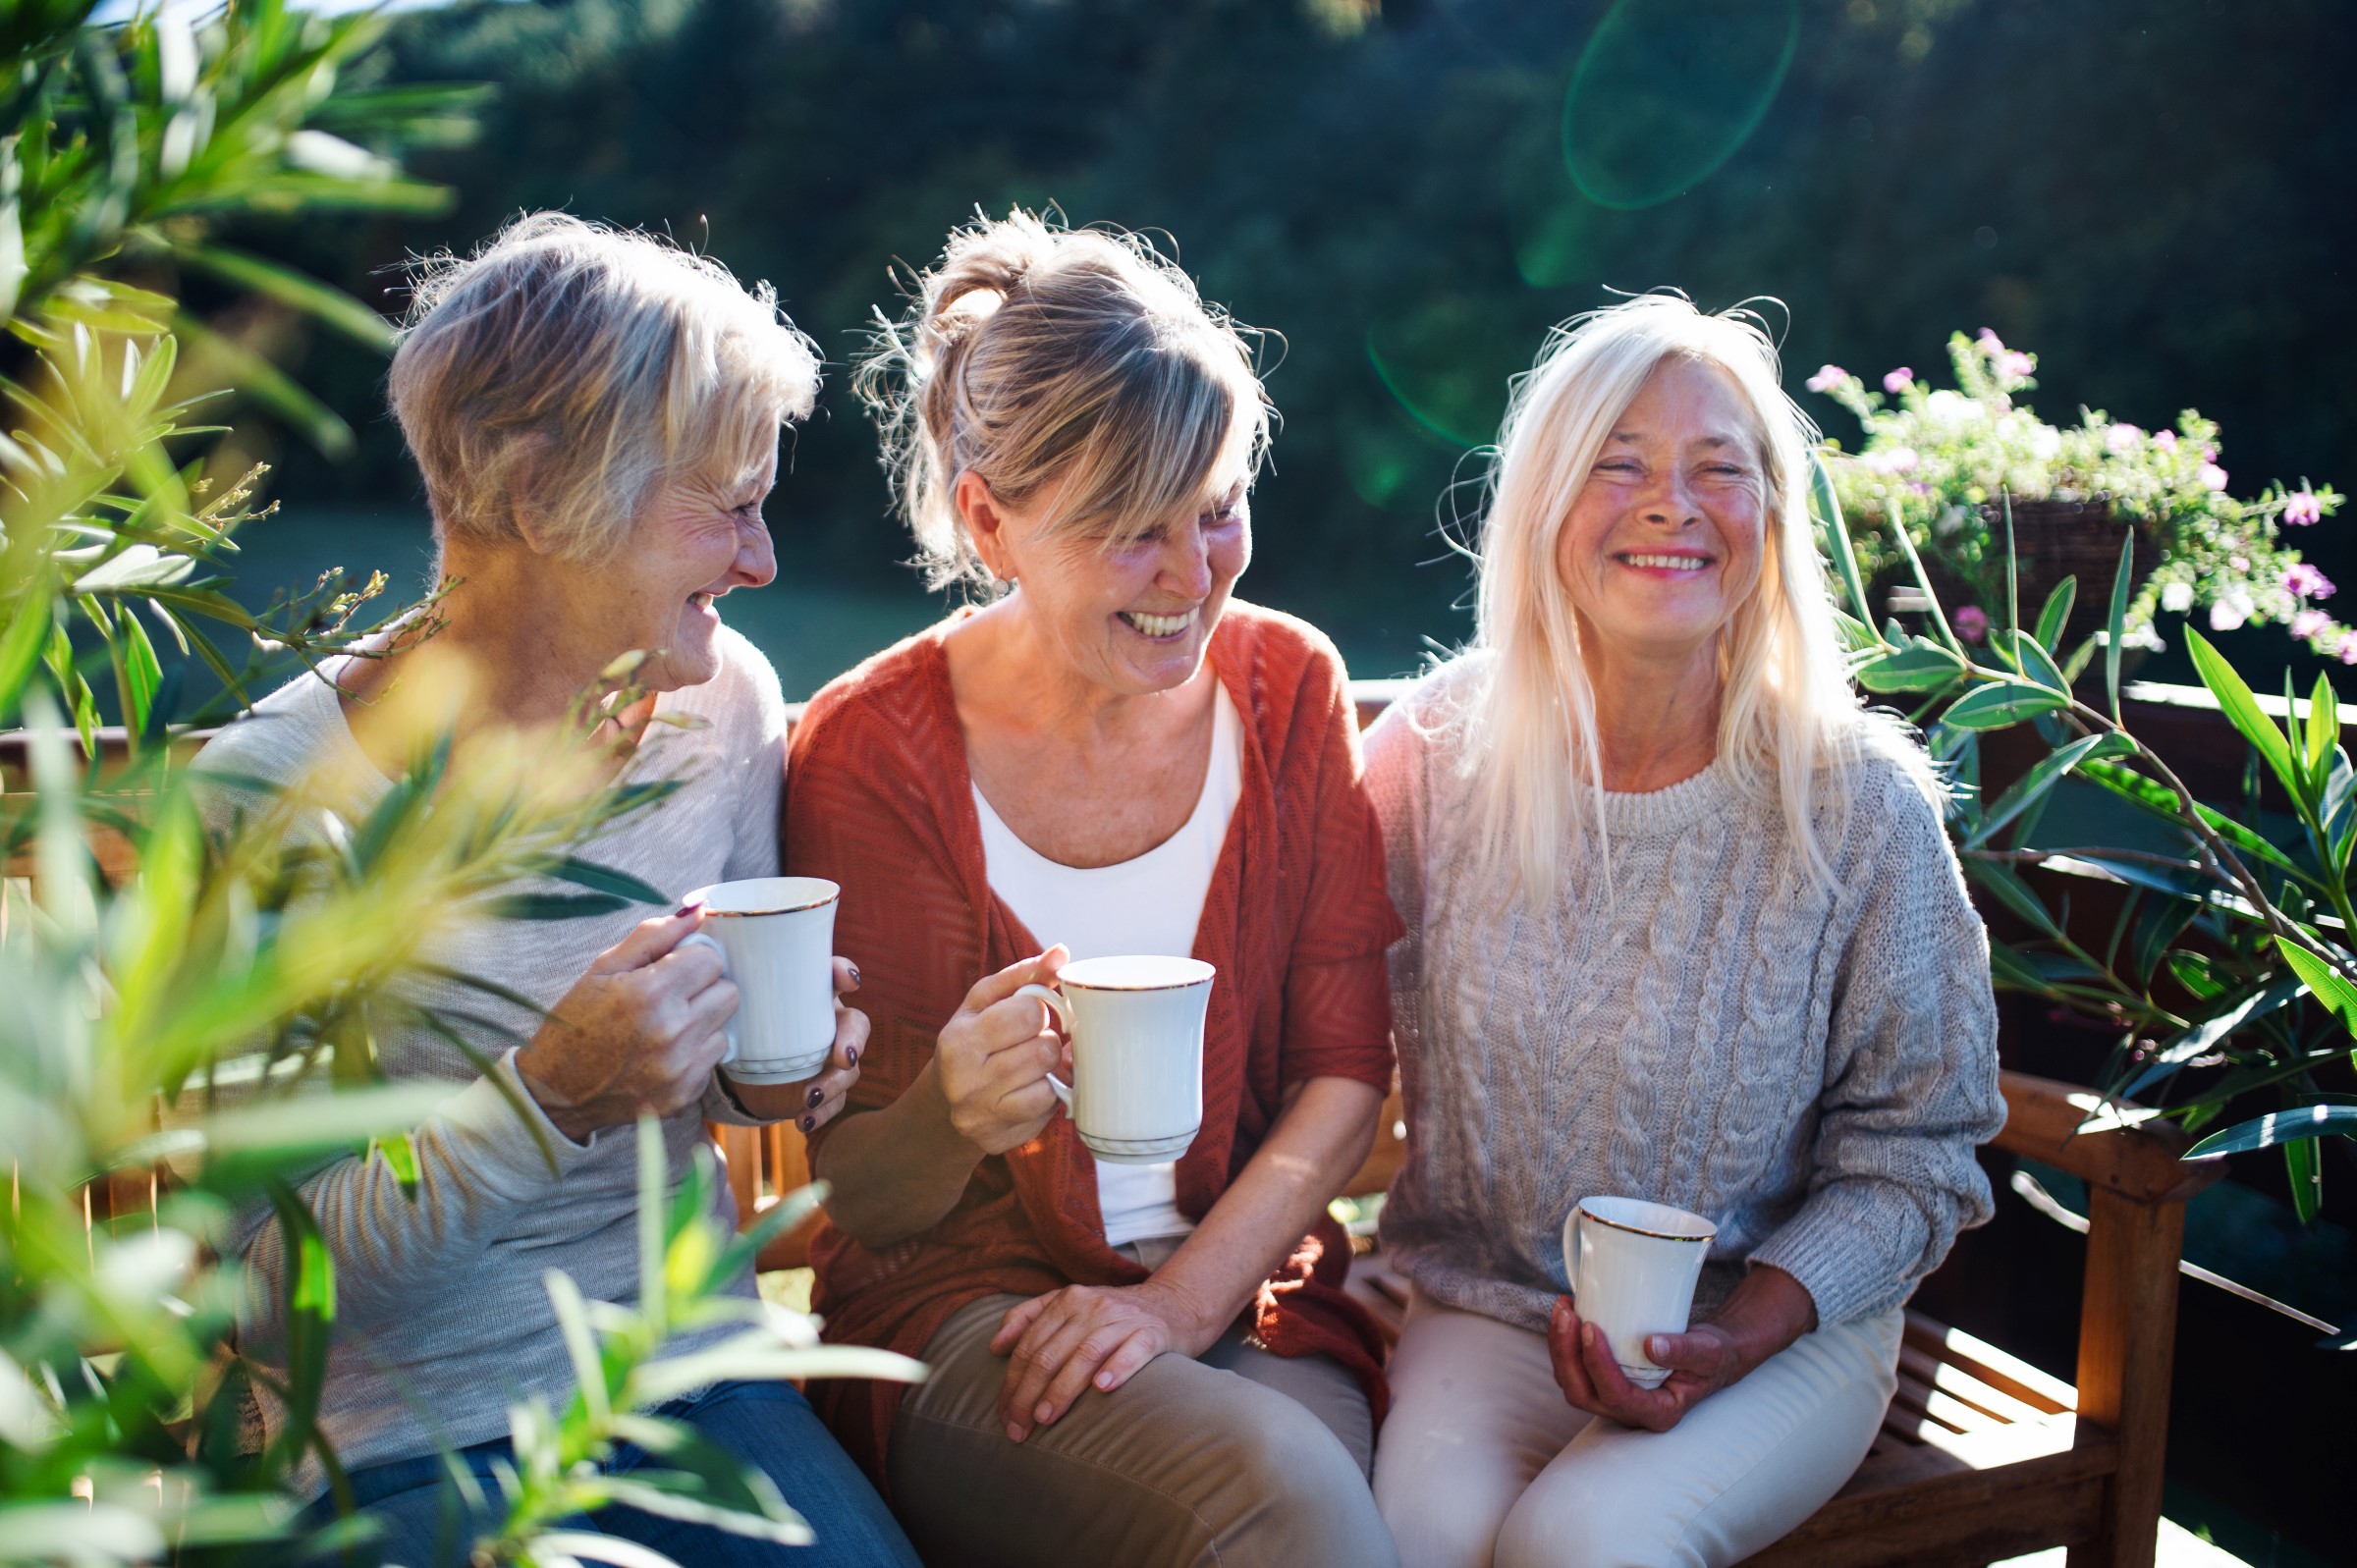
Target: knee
[1295, 1470]
[1561, 1523]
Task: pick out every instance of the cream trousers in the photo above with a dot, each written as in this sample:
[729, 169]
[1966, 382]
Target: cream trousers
[1483, 1462]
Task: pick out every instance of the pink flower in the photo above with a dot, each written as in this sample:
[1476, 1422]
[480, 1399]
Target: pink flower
[1827, 378]
[2120, 437]
[1897, 381]
[2301, 509]
[2014, 365]
[2348, 648]
[1990, 343]
[1972, 623]
[2306, 581]
[2231, 609]
[2166, 440]
[2306, 623]
[2212, 476]
[1893, 460]
[2239, 562]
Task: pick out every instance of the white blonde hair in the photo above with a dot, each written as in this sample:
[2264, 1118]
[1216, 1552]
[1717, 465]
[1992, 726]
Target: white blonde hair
[566, 370]
[1037, 356]
[1789, 720]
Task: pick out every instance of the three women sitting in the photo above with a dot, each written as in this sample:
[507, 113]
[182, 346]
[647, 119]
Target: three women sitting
[1680, 924]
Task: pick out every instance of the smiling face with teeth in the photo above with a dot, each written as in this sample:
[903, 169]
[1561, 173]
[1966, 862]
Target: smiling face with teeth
[1131, 613]
[699, 538]
[1665, 542]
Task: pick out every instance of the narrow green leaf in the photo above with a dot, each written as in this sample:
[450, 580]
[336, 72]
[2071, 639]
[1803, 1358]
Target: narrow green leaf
[2242, 710]
[1833, 535]
[2056, 615]
[2306, 1176]
[2012, 572]
[330, 306]
[2202, 1037]
[2032, 660]
[2332, 990]
[2279, 1127]
[1921, 665]
[2119, 627]
[605, 878]
[2032, 786]
[2014, 891]
[2001, 705]
[552, 905]
[2324, 730]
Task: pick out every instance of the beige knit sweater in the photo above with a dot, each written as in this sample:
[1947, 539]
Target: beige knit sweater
[1811, 1069]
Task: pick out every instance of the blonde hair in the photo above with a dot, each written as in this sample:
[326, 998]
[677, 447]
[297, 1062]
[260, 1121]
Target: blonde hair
[565, 369]
[1036, 355]
[1788, 719]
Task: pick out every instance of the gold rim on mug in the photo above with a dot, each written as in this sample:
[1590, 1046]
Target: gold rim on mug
[1179, 985]
[1640, 1230]
[711, 913]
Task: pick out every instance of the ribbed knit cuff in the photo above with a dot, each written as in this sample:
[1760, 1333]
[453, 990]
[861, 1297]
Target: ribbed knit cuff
[500, 1147]
[1850, 1246]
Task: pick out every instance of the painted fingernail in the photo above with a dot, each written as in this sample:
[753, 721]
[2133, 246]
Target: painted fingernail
[855, 969]
[850, 1058]
[816, 1094]
[810, 1124]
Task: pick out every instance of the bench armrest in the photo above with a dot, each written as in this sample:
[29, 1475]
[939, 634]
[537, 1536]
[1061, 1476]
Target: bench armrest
[2122, 1147]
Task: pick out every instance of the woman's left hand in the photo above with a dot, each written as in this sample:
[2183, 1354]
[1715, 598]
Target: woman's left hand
[812, 1102]
[1069, 1339]
[1768, 1312]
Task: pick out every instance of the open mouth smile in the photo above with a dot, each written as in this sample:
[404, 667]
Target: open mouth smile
[1159, 627]
[1657, 561]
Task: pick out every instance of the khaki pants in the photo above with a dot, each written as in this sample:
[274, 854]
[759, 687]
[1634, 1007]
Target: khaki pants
[1484, 1463]
[1236, 1457]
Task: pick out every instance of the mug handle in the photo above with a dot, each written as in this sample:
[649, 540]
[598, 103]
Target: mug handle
[1571, 1251]
[1063, 1010]
[727, 1029]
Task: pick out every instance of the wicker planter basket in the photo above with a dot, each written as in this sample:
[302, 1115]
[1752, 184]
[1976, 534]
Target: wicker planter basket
[2052, 540]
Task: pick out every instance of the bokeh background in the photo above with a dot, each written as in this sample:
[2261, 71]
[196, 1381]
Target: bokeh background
[2148, 193]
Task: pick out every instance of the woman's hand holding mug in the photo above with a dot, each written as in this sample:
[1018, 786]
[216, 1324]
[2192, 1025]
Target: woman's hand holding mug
[641, 1031]
[1768, 1312]
[994, 1057]
[813, 1104]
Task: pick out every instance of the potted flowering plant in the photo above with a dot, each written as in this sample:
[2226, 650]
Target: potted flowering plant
[1958, 468]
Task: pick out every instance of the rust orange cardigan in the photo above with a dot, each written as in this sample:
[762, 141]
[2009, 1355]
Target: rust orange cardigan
[1297, 921]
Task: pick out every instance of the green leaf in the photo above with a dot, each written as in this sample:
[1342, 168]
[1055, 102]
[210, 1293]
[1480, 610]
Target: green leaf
[2119, 627]
[400, 1155]
[2279, 1127]
[2056, 614]
[2012, 628]
[2332, 990]
[2307, 1177]
[552, 905]
[605, 878]
[2014, 891]
[2198, 1039]
[2242, 710]
[330, 306]
[2001, 704]
[1833, 536]
[2032, 786]
[1921, 665]
[2032, 660]
[2324, 730]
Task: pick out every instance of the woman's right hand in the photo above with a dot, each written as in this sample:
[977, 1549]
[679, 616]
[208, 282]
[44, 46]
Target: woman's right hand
[995, 1055]
[641, 1031]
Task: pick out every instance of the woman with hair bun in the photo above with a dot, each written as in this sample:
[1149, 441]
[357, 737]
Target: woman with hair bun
[1682, 927]
[1142, 1365]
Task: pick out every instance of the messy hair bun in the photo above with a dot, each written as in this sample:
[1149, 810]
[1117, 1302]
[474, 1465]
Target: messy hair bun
[1036, 355]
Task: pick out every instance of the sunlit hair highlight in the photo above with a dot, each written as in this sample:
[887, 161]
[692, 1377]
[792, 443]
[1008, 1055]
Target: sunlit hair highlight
[566, 370]
[1077, 362]
[1789, 720]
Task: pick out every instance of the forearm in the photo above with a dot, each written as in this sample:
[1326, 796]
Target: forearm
[1317, 1142]
[897, 1172]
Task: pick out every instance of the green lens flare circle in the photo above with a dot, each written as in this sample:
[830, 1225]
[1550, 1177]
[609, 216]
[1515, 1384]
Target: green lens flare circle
[1667, 91]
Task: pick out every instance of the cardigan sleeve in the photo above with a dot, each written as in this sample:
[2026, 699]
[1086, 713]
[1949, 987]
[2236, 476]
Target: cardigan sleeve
[1911, 1081]
[1337, 1004]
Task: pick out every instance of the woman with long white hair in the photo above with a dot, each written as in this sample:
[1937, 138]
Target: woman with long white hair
[1682, 927]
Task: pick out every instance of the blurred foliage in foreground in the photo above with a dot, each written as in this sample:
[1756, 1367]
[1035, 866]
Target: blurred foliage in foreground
[179, 1003]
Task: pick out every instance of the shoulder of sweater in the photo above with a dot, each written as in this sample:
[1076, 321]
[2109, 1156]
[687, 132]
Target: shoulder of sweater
[1894, 795]
[745, 698]
[280, 736]
[874, 693]
[1282, 655]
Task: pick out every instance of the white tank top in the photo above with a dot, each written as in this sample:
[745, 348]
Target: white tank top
[1150, 904]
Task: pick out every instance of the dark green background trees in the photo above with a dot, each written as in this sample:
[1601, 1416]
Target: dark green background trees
[2146, 193]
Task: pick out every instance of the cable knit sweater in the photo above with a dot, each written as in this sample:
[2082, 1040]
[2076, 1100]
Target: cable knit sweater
[1809, 1068]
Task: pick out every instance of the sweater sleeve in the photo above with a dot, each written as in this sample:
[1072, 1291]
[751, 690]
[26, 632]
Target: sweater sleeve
[477, 1163]
[1911, 1082]
[1338, 1005]
[1396, 756]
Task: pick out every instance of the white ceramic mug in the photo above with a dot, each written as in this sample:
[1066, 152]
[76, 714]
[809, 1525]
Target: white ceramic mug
[1632, 1266]
[1136, 1027]
[776, 938]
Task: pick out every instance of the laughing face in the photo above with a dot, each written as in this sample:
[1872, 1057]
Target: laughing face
[699, 539]
[1666, 539]
[1131, 617]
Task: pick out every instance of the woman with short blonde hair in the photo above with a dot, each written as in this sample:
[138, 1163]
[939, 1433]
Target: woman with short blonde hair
[1137, 1364]
[1682, 927]
[596, 414]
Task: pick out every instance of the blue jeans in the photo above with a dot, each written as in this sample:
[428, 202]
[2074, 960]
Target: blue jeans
[426, 1524]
